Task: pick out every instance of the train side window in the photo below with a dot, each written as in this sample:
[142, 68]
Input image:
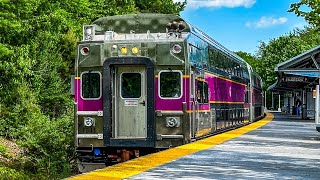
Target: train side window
[205, 92]
[211, 58]
[246, 97]
[170, 84]
[91, 85]
[202, 92]
[216, 59]
[192, 85]
[219, 61]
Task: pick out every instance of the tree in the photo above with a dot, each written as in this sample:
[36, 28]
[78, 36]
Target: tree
[249, 58]
[160, 6]
[37, 50]
[280, 49]
[312, 16]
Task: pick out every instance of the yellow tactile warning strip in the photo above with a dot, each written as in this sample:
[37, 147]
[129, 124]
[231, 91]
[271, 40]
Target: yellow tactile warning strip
[139, 165]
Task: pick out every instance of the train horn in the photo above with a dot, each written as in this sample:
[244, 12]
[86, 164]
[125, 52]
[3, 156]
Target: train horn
[174, 25]
[181, 26]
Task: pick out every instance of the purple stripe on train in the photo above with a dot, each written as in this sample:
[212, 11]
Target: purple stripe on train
[220, 91]
[224, 91]
[86, 105]
[171, 104]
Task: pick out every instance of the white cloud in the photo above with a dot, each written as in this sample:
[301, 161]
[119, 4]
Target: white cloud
[218, 3]
[265, 22]
[300, 25]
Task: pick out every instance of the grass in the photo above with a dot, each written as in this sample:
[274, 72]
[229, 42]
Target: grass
[4, 152]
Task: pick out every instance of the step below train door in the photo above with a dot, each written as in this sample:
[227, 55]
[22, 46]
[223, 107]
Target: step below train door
[130, 98]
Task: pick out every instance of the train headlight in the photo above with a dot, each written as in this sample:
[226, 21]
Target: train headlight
[173, 122]
[176, 49]
[134, 50]
[88, 121]
[84, 51]
[124, 50]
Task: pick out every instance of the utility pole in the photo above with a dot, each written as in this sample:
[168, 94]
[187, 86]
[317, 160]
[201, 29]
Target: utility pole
[265, 100]
[272, 100]
[279, 108]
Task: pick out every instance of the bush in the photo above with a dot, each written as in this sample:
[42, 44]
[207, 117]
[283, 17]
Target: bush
[49, 145]
[11, 174]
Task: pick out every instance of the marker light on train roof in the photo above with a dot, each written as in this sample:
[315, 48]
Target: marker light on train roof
[176, 48]
[114, 47]
[134, 50]
[84, 51]
[88, 32]
[124, 50]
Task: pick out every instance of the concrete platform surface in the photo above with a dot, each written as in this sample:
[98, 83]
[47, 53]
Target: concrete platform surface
[285, 148]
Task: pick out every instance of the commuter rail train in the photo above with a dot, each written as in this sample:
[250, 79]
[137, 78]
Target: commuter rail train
[147, 82]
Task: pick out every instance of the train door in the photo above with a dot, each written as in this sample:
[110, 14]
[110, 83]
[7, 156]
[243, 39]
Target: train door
[193, 104]
[130, 102]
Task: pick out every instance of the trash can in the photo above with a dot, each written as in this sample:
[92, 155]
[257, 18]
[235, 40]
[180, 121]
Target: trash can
[304, 111]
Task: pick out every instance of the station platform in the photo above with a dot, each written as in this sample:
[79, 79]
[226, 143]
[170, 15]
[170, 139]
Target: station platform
[280, 146]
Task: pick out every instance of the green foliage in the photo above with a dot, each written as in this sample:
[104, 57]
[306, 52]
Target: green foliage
[48, 144]
[312, 15]
[11, 174]
[160, 6]
[280, 49]
[249, 58]
[3, 149]
[4, 152]
[37, 50]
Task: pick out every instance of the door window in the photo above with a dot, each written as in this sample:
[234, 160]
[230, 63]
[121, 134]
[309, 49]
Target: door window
[131, 85]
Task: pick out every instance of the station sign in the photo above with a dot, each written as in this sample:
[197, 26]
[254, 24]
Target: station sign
[294, 79]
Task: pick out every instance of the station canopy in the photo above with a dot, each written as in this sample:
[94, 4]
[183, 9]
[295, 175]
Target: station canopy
[298, 73]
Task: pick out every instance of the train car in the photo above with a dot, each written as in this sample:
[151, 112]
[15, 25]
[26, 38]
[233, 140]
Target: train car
[257, 97]
[148, 82]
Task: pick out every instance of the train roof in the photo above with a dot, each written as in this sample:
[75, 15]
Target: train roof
[154, 23]
[139, 23]
[216, 44]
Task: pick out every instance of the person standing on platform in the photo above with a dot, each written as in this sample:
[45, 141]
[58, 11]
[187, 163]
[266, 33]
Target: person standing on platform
[298, 107]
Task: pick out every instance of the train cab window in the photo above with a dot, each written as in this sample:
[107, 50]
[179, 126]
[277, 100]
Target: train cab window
[170, 84]
[202, 92]
[91, 85]
[131, 85]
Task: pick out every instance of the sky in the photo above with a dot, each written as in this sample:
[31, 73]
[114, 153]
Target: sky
[240, 25]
